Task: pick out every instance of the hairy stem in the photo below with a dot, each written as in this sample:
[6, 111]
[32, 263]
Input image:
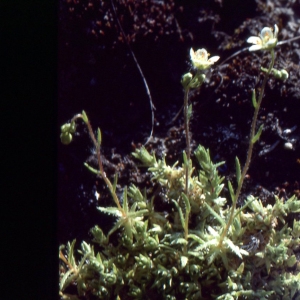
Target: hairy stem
[250, 149]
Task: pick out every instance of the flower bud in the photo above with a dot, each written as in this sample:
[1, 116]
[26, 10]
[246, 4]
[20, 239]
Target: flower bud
[66, 138]
[280, 74]
[284, 74]
[65, 128]
[198, 80]
[72, 127]
[186, 79]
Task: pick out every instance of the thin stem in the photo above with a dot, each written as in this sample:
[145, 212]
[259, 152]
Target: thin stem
[187, 136]
[250, 150]
[188, 155]
[101, 169]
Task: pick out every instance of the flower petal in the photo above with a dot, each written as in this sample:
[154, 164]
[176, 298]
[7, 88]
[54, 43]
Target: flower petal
[213, 59]
[192, 53]
[271, 43]
[275, 31]
[255, 47]
[266, 34]
[254, 40]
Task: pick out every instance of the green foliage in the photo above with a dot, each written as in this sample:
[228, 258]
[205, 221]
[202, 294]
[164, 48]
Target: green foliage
[197, 248]
[151, 254]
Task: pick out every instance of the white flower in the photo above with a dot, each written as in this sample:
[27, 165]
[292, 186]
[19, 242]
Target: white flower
[265, 41]
[200, 59]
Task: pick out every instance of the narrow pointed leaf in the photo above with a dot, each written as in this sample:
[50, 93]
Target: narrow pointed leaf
[179, 241]
[243, 207]
[180, 213]
[220, 220]
[186, 202]
[257, 135]
[196, 238]
[82, 261]
[231, 191]
[125, 201]
[64, 282]
[115, 182]
[111, 211]
[84, 117]
[254, 102]
[71, 258]
[238, 169]
[99, 137]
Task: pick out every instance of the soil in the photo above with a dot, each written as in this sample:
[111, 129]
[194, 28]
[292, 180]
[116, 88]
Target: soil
[97, 73]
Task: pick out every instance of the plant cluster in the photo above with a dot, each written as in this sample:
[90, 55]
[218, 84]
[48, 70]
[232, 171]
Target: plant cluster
[198, 246]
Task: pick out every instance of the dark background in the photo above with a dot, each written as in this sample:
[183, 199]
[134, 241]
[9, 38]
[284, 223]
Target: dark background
[97, 73]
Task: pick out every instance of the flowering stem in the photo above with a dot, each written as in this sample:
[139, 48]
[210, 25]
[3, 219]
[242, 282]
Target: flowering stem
[100, 165]
[187, 136]
[250, 150]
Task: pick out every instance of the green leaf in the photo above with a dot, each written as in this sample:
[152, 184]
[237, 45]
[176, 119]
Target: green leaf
[179, 241]
[257, 136]
[221, 221]
[111, 211]
[64, 282]
[82, 261]
[254, 102]
[196, 238]
[134, 193]
[243, 207]
[98, 235]
[145, 157]
[238, 170]
[292, 204]
[115, 182]
[235, 249]
[125, 201]
[84, 117]
[186, 202]
[71, 258]
[180, 213]
[99, 137]
[240, 269]
[231, 191]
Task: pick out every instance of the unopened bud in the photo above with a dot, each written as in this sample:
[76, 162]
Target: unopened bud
[65, 128]
[66, 138]
[198, 80]
[186, 79]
